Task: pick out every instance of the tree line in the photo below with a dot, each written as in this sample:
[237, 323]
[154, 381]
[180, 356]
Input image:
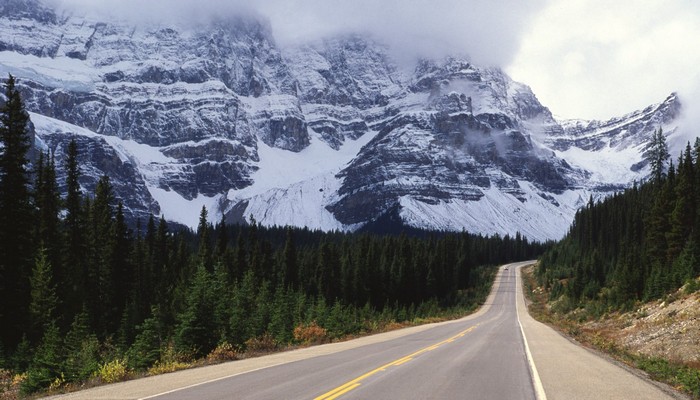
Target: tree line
[81, 287]
[639, 244]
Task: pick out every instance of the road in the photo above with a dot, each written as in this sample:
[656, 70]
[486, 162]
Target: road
[482, 356]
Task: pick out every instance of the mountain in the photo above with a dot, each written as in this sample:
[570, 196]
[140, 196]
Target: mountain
[331, 134]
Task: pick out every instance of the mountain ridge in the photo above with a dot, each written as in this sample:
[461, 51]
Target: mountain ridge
[329, 134]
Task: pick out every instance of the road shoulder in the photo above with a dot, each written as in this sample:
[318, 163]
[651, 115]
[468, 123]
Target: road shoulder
[569, 371]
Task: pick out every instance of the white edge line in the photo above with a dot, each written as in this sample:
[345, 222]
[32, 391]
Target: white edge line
[209, 381]
[536, 381]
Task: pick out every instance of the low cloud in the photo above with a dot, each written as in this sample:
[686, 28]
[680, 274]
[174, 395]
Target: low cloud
[590, 59]
[488, 31]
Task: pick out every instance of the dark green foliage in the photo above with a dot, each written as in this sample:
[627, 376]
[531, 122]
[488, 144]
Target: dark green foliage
[636, 245]
[16, 216]
[196, 331]
[81, 350]
[43, 294]
[46, 364]
[657, 155]
[146, 349]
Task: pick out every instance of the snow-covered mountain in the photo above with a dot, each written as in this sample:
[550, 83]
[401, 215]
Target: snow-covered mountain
[329, 134]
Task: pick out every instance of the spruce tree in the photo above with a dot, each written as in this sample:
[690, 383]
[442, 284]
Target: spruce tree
[16, 216]
[657, 155]
[196, 330]
[47, 362]
[73, 283]
[204, 237]
[43, 295]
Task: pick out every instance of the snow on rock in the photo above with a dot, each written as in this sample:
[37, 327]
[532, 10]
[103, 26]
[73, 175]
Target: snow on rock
[328, 135]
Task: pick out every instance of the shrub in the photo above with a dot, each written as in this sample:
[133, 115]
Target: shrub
[223, 352]
[113, 371]
[310, 333]
[261, 344]
[171, 360]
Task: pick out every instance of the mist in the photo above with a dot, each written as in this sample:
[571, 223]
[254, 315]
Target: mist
[488, 32]
[588, 59]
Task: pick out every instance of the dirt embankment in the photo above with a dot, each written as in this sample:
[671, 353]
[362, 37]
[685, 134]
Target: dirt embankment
[668, 329]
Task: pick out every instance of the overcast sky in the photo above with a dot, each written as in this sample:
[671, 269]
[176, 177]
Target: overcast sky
[582, 58]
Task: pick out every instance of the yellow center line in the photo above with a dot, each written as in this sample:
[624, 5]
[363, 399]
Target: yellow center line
[343, 389]
[402, 361]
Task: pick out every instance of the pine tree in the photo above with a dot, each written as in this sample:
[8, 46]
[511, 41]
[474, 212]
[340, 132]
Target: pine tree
[657, 155]
[146, 349]
[196, 331]
[47, 201]
[16, 216]
[243, 307]
[75, 270]
[43, 295]
[204, 238]
[81, 350]
[101, 290]
[46, 364]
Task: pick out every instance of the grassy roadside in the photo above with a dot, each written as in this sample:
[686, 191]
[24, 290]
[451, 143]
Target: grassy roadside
[685, 378]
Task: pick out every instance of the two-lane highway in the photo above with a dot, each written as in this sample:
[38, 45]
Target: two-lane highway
[481, 356]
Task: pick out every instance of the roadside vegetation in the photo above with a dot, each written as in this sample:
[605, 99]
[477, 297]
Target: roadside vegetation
[85, 298]
[636, 247]
[612, 332]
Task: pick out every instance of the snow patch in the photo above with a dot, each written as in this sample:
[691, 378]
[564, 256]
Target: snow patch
[176, 208]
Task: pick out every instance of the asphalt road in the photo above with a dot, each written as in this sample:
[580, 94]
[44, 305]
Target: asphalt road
[482, 356]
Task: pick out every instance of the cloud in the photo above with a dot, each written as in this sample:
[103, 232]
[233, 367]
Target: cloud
[599, 59]
[488, 31]
[582, 58]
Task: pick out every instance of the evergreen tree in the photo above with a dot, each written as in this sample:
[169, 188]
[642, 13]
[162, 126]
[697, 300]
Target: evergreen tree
[81, 350]
[196, 331]
[16, 216]
[146, 349]
[43, 295]
[73, 282]
[47, 362]
[47, 202]
[101, 290]
[657, 155]
[205, 252]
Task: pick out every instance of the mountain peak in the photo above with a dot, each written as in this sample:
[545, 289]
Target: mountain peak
[329, 134]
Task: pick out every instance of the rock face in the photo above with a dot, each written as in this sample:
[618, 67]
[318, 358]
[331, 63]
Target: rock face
[329, 134]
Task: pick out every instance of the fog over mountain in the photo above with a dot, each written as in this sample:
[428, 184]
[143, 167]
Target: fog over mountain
[488, 31]
[584, 58]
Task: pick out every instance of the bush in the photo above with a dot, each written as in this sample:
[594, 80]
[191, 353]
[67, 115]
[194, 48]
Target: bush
[223, 352]
[171, 360]
[113, 371]
[310, 334]
[261, 344]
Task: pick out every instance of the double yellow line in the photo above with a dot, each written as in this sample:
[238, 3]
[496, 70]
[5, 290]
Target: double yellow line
[343, 389]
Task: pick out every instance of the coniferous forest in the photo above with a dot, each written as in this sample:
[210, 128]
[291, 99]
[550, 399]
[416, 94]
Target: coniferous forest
[637, 245]
[84, 293]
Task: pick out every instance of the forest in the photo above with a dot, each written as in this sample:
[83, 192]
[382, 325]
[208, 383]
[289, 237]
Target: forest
[84, 293]
[637, 245]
